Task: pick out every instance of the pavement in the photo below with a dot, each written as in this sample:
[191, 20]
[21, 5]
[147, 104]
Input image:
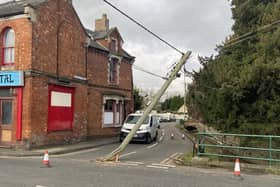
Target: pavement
[58, 149]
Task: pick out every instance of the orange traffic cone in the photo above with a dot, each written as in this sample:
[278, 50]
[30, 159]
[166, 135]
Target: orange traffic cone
[46, 161]
[237, 168]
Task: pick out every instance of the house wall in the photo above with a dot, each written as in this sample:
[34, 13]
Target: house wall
[100, 87]
[23, 58]
[95, 111]
[98, 71]
[58, 53]
[97, 67]
[51, 49]
[58, 40]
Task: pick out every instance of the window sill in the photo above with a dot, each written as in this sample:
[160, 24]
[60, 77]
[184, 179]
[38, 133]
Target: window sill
[7, 66]
[113, 84]
[8, 63]
[111, 126]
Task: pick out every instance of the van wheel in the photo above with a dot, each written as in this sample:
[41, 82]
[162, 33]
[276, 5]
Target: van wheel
[148, 138]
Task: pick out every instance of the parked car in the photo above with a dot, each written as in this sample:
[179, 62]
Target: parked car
[147, 132]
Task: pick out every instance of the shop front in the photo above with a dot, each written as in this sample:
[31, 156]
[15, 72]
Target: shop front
[11, 89]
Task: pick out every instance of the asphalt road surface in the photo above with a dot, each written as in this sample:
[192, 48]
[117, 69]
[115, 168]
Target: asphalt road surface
[141, 165]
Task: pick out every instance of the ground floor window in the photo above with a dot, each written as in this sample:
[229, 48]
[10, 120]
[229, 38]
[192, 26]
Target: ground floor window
[6, 106]
[113, 112]
[61, 108]
[6, 111]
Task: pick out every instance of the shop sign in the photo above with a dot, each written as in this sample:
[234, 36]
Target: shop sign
[11, 78]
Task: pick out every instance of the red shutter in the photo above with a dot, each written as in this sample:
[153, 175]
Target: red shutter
[61, 108]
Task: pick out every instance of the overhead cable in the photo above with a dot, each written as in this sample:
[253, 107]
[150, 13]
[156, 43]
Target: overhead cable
[251, 34]
[148, 72]
[143, 27]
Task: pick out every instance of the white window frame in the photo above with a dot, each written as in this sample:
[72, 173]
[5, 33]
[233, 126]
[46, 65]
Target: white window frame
[8, 47]
[117, 101]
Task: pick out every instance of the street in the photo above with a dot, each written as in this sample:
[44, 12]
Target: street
[140, 165]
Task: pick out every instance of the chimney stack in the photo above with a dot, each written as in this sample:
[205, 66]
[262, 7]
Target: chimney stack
[102, 24]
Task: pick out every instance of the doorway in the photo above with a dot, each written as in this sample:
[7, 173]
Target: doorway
[6, 115]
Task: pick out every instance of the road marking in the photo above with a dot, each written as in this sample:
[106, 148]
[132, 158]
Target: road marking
[39, 186]
[151, 146]
[164, 165]
[170, 158]
[157, 167]
[127, 154]
[131, 163]
[128, 164]
[139, 163]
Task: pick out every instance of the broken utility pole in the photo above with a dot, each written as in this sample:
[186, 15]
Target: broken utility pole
[113, 156]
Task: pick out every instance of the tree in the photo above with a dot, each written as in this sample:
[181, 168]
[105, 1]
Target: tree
[172, 104]
[138, 99]
[240, 87]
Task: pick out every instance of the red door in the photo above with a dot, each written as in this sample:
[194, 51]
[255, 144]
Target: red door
[61, 108]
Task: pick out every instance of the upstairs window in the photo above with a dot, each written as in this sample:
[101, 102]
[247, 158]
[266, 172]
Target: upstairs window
[113, 45]
[113, 71]
[8, 47]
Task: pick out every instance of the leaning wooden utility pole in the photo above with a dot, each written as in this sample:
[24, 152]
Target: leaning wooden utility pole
[113, 156]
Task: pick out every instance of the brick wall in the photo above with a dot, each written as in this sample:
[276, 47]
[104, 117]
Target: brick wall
[95, 111]
[97, 67]
[98, 71]
[23, 58]
[23, 42]
[98, 77]
[59, 50]
[26, 110]
[35, 130]
[59, 40]
[54, 44]
[126, 75]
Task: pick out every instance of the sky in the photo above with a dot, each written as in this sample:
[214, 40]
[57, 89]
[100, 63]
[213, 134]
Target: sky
[196, 25]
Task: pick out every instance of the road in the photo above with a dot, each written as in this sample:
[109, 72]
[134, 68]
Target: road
[140, 165]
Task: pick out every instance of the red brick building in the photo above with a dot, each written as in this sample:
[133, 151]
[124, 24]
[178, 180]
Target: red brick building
[59, 82]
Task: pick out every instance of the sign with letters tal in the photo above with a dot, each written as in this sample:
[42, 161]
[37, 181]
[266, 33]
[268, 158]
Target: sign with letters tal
[11, 78]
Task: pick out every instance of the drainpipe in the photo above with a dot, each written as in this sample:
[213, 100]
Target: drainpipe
[19, 114]
[132, 85]
[87, 43]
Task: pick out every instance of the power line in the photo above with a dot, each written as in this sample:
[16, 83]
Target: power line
[148, 72]
[251, 34]
[143, 27]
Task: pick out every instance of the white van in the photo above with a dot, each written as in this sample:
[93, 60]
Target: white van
[147, 132]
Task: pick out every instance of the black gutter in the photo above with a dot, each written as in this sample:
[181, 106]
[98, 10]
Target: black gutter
[11, 14]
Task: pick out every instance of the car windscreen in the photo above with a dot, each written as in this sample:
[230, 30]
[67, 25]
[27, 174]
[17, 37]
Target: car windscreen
[133, 120]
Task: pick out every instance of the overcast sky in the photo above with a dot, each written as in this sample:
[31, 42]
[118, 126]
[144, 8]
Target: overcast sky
[196, 25]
